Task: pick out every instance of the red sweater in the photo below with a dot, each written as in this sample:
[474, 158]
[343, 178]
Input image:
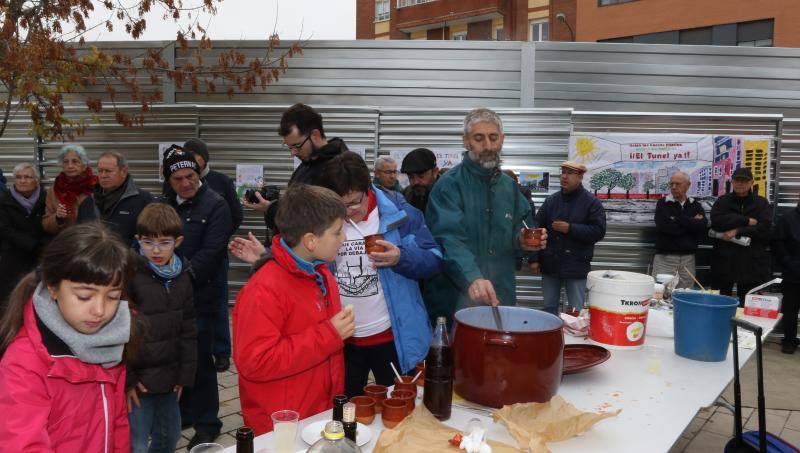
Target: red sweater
[287, 352]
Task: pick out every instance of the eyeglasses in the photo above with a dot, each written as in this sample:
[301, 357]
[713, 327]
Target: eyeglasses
[389, 172]
[147, 244]
[24, 177]
[297, 145]
[356, 204]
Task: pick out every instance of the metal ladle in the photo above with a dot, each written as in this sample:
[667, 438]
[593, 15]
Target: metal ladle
[497, 319]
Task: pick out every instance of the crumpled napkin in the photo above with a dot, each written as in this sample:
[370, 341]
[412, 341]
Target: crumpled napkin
[421, 432]
[576, 326]
[536, 424]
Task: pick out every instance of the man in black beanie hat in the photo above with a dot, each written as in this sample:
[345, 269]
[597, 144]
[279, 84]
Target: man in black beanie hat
[223, 185]
[420, 167]
[206, 228]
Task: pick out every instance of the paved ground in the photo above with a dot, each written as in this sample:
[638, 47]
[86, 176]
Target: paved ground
[709, 431]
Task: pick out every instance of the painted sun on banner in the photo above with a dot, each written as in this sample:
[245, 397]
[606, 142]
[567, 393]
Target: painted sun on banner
[630, 172]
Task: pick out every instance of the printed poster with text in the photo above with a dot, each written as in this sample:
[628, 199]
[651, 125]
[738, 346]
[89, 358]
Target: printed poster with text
[629, 173]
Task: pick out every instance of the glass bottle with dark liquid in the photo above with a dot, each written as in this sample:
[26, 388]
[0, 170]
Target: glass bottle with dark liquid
[438, 395]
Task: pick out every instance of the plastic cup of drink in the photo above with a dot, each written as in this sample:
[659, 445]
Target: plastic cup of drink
[207, 448]
[654, 357]
[532, 237]
[285, 430]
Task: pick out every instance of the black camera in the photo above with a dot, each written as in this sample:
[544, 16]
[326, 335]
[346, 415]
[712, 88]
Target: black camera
[269, 193]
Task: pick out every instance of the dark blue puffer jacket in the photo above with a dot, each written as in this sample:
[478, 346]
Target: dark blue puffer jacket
[570, 255]
[206, 228]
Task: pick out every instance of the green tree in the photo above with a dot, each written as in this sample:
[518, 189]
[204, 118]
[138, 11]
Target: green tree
[627, 182]
[612, 178]
[648, 186]
[597, 182]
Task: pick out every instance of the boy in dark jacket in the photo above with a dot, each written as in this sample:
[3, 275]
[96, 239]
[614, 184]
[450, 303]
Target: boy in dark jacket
[288, 325]
[162, 290]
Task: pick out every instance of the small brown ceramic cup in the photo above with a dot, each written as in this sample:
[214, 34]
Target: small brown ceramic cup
[371, 245]
[378, 393]
[405, 384]
[532, 237]
[394, 411]
[406, 396]
[365, 409]
[421, 379]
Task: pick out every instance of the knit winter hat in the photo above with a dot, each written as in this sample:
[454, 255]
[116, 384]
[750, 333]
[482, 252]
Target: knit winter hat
[195, 145]
[175, 158]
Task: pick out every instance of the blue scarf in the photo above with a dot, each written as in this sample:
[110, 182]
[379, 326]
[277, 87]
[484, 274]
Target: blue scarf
[309, 267]
[168, 271]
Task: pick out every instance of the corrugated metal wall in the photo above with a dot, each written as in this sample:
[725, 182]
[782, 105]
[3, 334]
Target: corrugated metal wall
[423, 89]
[667, 78]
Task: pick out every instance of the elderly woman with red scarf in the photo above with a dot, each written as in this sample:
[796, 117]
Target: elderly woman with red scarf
[75, 182]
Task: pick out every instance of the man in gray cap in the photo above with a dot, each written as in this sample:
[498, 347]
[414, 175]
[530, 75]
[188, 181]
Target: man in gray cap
[741, 213]
[420, 167]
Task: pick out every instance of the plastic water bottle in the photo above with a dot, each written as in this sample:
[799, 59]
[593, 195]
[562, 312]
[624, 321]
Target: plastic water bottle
[333, 441]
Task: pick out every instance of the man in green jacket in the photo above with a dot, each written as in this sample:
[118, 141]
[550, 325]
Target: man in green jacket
[475, 212]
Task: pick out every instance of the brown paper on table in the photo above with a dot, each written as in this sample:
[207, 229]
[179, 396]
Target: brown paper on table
[421, 432]
[535, 424]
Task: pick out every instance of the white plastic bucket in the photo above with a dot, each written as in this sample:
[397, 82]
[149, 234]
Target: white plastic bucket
[618, 304]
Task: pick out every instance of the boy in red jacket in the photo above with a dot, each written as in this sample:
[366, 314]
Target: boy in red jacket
[288, 325]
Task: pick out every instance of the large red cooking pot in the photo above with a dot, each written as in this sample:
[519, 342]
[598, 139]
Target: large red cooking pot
[520, 364]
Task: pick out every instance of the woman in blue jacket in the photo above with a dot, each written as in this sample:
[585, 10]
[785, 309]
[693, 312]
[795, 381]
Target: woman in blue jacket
[391, 321]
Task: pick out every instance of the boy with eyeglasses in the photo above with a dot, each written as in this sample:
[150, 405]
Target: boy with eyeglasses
[167, 359]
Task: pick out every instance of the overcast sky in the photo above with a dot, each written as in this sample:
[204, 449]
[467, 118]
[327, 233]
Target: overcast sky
[251, 19]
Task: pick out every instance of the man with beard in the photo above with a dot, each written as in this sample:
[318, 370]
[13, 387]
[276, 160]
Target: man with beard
[575, 221]
[304, 136]
[475, 212]
[420, 167]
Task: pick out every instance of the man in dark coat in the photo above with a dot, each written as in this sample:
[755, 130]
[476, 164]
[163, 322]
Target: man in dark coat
[680, 224]
[787, 254]
[741, 213]
[222, 184]
[116, 200]
[206, 228]
[420, 167]
[575, 222]
[303, 134]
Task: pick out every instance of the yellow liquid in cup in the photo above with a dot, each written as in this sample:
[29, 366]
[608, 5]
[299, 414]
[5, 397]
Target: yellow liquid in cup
[284, 437]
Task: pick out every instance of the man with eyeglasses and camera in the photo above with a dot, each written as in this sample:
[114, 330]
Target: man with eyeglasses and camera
[303, 134]
[206, 227]
[680, 224]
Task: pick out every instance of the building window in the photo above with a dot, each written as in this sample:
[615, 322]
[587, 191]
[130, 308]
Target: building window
[404, 3]
[696, 36]
[381, 10]
[755, 34]
[612, 2]
[461, 36]
[540, 30]
[499, 34]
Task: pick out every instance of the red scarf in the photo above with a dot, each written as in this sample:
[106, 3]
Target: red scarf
[67, 189]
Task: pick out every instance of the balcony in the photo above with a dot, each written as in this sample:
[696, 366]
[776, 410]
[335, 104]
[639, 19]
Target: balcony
[434, 14]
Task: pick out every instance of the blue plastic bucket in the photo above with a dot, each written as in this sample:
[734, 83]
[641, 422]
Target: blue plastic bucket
[702, 325]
